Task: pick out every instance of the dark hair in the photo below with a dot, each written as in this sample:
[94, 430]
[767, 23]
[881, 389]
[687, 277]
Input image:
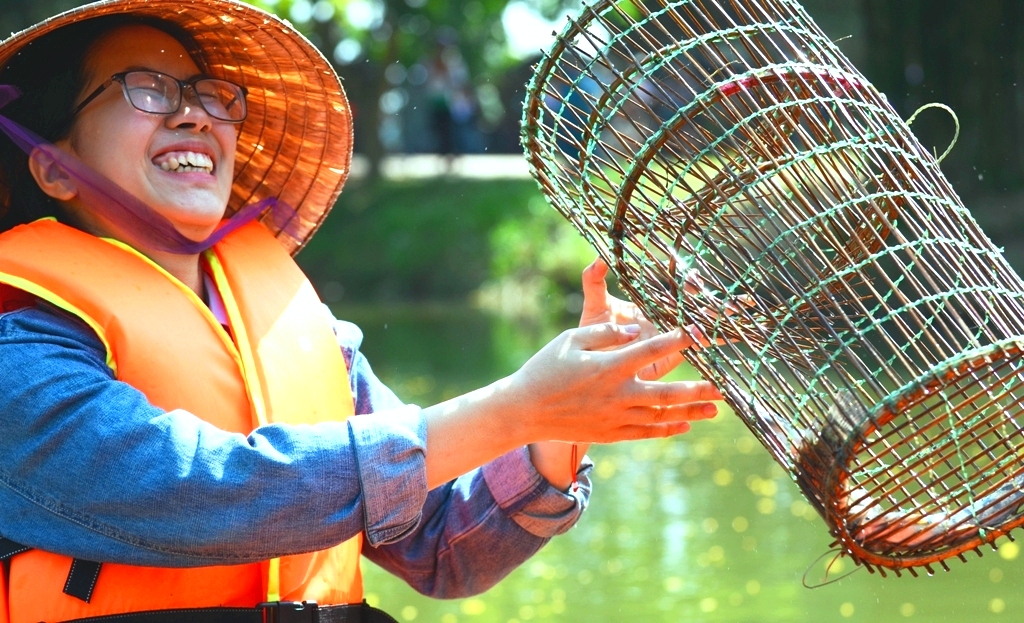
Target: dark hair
[50, 72]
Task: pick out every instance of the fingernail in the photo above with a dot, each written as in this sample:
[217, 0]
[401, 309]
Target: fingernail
[709, 410]
[631, 329]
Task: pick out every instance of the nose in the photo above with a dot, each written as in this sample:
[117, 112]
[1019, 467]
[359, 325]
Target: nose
[190, 115]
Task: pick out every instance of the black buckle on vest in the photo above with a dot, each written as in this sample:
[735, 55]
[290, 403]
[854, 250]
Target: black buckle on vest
[289, 611]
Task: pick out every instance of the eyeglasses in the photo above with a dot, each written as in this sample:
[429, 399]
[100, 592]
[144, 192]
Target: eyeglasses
[161, 94]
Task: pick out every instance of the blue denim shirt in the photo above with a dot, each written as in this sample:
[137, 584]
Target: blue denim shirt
[89, 469]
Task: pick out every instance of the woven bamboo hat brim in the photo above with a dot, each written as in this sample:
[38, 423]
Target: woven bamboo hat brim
[296, 143]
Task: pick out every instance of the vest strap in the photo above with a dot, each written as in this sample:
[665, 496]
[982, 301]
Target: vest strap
[273, 612]
[9, 548]
[82, 579]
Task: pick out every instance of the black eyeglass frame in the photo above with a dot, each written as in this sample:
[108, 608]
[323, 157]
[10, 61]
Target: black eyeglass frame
[120, 78]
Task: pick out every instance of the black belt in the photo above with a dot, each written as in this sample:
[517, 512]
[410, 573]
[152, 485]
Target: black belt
[276, 612]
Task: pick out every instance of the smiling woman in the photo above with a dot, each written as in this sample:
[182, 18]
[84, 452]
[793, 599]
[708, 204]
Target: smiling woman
[176, 409]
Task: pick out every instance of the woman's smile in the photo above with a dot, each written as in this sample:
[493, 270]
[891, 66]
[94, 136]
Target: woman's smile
[185, 162]
[191, 160]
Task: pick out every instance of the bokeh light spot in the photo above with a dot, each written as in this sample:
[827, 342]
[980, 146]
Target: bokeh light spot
[722, 477]
[1009, 551]
[474, 606]
[673, 584]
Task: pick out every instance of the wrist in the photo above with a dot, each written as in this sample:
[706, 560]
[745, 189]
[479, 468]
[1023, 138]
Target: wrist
[520, 418]
[468, 431]
[554, 461]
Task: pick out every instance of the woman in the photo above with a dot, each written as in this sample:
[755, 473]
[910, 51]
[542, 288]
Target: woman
[174, 411]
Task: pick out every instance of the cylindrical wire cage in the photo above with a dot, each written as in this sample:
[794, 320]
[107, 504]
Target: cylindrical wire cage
[740, 175]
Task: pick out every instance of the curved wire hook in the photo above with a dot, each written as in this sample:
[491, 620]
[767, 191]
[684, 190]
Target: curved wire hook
[825, 581]
[956, 122]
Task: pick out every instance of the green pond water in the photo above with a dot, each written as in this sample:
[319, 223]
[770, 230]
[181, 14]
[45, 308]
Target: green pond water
[702, 527]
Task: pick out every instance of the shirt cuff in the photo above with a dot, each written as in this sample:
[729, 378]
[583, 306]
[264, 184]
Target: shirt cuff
[395, 489]
[530, 500]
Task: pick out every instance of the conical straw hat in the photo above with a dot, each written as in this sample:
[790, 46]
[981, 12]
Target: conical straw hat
[296, 143]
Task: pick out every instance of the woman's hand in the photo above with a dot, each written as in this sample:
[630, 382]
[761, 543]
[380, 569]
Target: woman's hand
[583, 386]
[600, 306]
[587, 388]
[553, 459]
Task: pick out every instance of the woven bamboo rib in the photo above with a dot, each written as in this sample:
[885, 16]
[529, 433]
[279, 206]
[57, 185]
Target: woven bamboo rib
[296, 143]
[739, 174]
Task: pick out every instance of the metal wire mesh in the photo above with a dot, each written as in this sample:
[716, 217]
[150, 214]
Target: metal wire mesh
[739, 174]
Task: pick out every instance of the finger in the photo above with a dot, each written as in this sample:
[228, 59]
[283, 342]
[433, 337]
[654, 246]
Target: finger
[643, 353]
[650, 431]
[676, 393]
[595, 290]
[658, 369]
[604, 335]
[635, 314]
[679, 413]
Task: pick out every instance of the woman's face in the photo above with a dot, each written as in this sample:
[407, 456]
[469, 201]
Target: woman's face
[134, 149]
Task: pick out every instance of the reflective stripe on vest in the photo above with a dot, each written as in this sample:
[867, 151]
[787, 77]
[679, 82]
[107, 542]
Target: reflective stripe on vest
[284, 365]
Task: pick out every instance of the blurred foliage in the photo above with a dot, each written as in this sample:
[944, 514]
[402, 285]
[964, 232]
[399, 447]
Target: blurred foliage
[402, 31]
[373, 43]
[536, 261]
[18, 14]
[447, 239]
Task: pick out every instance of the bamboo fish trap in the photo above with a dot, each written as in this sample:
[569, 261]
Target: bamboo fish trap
[739, 174]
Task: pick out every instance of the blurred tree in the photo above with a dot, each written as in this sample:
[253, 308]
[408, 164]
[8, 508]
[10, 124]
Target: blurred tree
[16, 15]
[380, 47]
[968, 55]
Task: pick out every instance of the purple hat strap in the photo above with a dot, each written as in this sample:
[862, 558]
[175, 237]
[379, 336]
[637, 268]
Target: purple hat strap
[145, 227]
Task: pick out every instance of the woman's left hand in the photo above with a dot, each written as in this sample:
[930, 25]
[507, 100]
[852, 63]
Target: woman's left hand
[600, 306]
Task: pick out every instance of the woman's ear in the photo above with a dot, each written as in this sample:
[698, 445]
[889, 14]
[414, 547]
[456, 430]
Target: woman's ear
[51, 177]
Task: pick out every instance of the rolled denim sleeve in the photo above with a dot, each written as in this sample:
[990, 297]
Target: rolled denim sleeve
[477, 528]
[90, 469]
[401, 478]
[469, 538]
[527, 497]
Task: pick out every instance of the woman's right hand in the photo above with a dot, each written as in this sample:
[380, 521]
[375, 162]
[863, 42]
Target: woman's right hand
[574, 390]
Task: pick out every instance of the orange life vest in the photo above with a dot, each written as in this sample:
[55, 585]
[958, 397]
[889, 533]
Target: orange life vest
[282, 365]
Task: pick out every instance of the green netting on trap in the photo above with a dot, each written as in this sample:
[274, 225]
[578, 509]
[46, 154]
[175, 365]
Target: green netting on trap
[738, 174]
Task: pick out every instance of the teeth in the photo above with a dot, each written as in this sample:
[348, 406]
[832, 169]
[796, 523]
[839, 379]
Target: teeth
[188, 161]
